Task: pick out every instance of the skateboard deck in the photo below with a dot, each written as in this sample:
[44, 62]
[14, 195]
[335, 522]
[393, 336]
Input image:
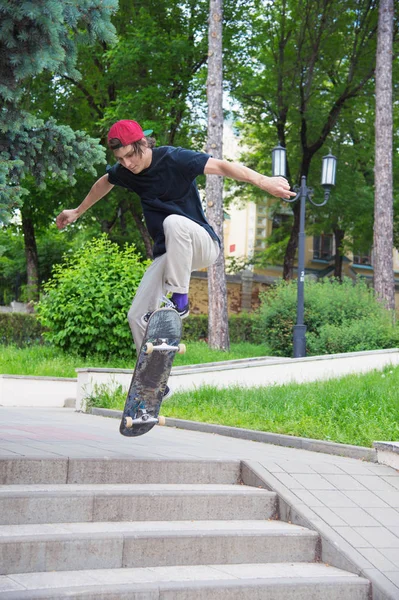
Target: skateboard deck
[153, 366]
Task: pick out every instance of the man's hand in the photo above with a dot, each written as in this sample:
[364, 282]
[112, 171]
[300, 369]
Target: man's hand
[277, 186]
[66, 217]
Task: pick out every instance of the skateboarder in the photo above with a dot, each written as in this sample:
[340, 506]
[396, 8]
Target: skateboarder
[164, 179]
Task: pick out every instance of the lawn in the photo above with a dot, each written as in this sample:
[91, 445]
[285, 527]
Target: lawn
[51, 362]
[356, 409]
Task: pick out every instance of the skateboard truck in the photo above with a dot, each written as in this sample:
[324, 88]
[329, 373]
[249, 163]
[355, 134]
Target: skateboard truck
[145, 418]
[163, 346]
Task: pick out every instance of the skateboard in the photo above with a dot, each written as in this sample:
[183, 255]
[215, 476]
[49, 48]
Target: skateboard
[160, 344]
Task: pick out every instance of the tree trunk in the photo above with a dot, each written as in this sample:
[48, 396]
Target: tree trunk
[218, 327]
[384, 282]
[339, 235]
[32, 261]
[138, 219]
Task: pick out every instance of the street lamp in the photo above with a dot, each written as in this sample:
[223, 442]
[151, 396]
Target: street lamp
[303, 193]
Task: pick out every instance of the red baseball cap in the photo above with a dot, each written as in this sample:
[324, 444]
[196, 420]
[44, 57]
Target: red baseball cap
[127, 132]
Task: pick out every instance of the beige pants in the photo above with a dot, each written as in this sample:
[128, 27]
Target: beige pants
[188, 247]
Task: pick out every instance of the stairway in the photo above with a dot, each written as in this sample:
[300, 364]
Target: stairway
[153, 530]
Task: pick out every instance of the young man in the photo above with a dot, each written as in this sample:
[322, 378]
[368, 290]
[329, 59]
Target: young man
[164, 179]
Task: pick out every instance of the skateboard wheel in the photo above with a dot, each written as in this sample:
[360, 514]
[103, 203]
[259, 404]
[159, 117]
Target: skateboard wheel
[182, 349]
[128, 422]
[149, 348]
[161, 420]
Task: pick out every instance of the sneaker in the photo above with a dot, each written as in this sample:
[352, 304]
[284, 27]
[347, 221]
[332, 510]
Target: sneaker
[167, 393]
[167, 303]
[184, 312]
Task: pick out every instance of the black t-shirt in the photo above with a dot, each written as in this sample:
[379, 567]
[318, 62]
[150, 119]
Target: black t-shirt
[166, 187]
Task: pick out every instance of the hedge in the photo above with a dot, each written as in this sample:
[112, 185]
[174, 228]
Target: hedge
[20, 329]
[24, 329]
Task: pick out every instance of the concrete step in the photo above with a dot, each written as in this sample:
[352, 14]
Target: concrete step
[116, 470]
[273, 581]
[69, 503]
[71, 546]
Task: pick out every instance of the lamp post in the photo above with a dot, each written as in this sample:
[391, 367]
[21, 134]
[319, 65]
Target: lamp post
[303, 193]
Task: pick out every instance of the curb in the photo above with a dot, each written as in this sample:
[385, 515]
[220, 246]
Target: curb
[290, 441]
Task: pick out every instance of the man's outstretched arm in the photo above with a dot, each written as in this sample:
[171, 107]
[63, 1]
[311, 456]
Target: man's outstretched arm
[276, 186]
[98, 191]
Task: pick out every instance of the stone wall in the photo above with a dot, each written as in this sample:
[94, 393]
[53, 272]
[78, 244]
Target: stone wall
[242, 291]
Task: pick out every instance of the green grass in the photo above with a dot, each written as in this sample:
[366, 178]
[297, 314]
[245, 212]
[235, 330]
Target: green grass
[51, 362]
[353, 410]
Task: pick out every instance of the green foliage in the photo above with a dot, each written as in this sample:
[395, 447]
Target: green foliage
[195, 327]
[85, 304]
[20, 329]
[36, 38]
[340, 317]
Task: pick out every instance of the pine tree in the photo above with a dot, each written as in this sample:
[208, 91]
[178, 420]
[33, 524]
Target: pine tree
[37, 37]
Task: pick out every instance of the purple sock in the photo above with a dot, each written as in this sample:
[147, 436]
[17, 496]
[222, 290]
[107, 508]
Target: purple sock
[180, 300]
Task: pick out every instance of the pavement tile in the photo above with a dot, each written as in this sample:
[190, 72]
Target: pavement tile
[308, 498]
[392, 554]
[366, 499]
[379, 537]
[394, 577]
[374, 483]
[357, 468]
[313, 482]
[293, 467]
[356, 517]
[353, 537]
[288, 481]
[391, 498]
[344, 482]
[324, 468]
[378, 559]
[389, 517]
[333, 498]
[328, 516]
[392, 480]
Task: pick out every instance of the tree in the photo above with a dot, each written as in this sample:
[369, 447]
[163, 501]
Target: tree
[304, 63]
[37, 37]
[384, 282]
[218, 328]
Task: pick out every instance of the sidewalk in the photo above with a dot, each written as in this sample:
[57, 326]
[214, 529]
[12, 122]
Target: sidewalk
[356, 501]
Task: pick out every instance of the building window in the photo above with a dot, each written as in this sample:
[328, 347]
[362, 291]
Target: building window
[281, 220]
[363, 258]
[323, 246]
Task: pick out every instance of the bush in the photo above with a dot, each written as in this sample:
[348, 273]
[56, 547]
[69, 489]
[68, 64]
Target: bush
[340, 317]
[195, 328]
[85, 304]
[20, 329]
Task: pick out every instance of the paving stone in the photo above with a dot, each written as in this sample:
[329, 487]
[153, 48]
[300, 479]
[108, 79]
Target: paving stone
[344, 482]
[353, 537]
[386, 516]
[378, 560]
[308, 498]
[366, 499]
[334, 498]
[314, 482]
[288, 481]
[379, 537]
[356, 517]
[374, 483]
[328, 516]
[393, 481]
[392, 554]
[391, 498]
